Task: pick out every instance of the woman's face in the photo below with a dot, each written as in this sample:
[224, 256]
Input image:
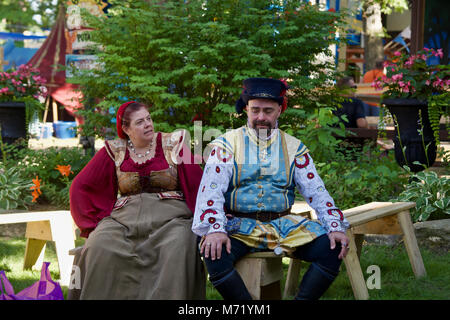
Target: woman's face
[140, 129]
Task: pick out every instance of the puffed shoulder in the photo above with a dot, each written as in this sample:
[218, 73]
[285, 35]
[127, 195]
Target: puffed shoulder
[116, 149]
[173, 143]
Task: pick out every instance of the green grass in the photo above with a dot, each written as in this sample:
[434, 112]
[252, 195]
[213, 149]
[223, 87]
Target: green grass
[397, 279]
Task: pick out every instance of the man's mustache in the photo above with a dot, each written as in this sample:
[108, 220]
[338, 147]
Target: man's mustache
[263, 123]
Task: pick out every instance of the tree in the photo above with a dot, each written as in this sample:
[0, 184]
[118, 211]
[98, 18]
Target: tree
[373, 27]
[19, 14]
[189, 58]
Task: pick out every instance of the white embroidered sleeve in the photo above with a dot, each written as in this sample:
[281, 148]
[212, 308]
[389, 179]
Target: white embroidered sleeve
[312, 188]
[209, 213]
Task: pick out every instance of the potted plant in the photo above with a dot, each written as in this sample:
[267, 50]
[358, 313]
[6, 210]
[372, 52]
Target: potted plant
[416, 96]
[20, 91]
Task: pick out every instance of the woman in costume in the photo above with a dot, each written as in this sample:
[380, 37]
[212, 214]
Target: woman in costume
[139, 243]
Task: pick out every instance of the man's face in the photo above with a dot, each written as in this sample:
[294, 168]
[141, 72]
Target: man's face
[351, 89]
[263, 114]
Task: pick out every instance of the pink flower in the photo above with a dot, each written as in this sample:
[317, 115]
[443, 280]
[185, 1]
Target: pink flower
[409, 62]
[440, 53]
[4, 90]
[427, 82]
[438, 83]
[397, 53]
[426, 49]
[377, 85]
[397, 77]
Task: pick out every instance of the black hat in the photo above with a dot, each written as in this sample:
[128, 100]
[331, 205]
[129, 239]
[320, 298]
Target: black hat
[262, 88]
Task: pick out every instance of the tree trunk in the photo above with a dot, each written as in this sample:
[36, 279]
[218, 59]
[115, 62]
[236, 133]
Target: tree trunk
[373, 32]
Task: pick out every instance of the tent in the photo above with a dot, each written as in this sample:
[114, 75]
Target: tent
[50, 60]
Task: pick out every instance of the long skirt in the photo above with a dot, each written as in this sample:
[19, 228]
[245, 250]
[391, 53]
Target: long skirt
[143, 250]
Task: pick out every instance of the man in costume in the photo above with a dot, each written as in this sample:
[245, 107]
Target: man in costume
[247, 191]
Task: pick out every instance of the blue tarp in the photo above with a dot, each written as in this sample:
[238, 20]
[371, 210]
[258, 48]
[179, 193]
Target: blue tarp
[16, 56]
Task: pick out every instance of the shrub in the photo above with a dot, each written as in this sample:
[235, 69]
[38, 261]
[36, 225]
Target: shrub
[49, 166]
[356, 178]
[431, 195]
[14, 189]
[188, 59]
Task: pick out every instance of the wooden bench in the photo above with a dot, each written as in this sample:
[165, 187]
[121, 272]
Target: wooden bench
[43, 226]
[262, 271]
[379, 218]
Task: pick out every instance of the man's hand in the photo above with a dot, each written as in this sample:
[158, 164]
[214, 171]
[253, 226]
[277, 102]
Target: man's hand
[339, 237]
[212, 245]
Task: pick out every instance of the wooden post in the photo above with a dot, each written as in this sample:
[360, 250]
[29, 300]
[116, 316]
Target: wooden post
[37, 234]
[34, 253]
[55, 111]
[2, 57]
[47, 105]
[354, 271]
[261, 273]
[409, 237]
[64, 237]
[291, 285]
[250, 271]
[417, 25]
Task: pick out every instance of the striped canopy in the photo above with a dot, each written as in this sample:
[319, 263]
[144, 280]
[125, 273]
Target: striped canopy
[51, 57]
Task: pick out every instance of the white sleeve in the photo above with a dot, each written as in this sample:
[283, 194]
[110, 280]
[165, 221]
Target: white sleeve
[312, 188]
[209, 215]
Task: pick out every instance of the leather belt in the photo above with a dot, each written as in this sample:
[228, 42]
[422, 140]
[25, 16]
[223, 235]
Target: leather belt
[146, 190]
[264, 216]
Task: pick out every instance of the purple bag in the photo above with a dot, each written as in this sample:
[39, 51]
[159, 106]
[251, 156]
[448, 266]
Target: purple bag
[44, 289]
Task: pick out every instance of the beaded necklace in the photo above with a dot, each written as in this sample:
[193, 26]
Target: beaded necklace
[140, 155]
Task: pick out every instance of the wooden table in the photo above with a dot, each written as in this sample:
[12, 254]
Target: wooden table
[46, 226]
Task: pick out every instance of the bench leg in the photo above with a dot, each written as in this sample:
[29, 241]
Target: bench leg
[359, 239]
[409, 237]
[354, 271]
[34, 253]
[250, 272]
[291, 285]
[261, 277]
[64, 237]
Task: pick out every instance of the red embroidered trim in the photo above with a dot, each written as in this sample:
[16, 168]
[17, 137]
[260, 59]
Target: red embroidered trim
[206, 212]
[336, 213]
[306, 161]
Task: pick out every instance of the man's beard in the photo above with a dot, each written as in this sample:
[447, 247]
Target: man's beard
[262, 133]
